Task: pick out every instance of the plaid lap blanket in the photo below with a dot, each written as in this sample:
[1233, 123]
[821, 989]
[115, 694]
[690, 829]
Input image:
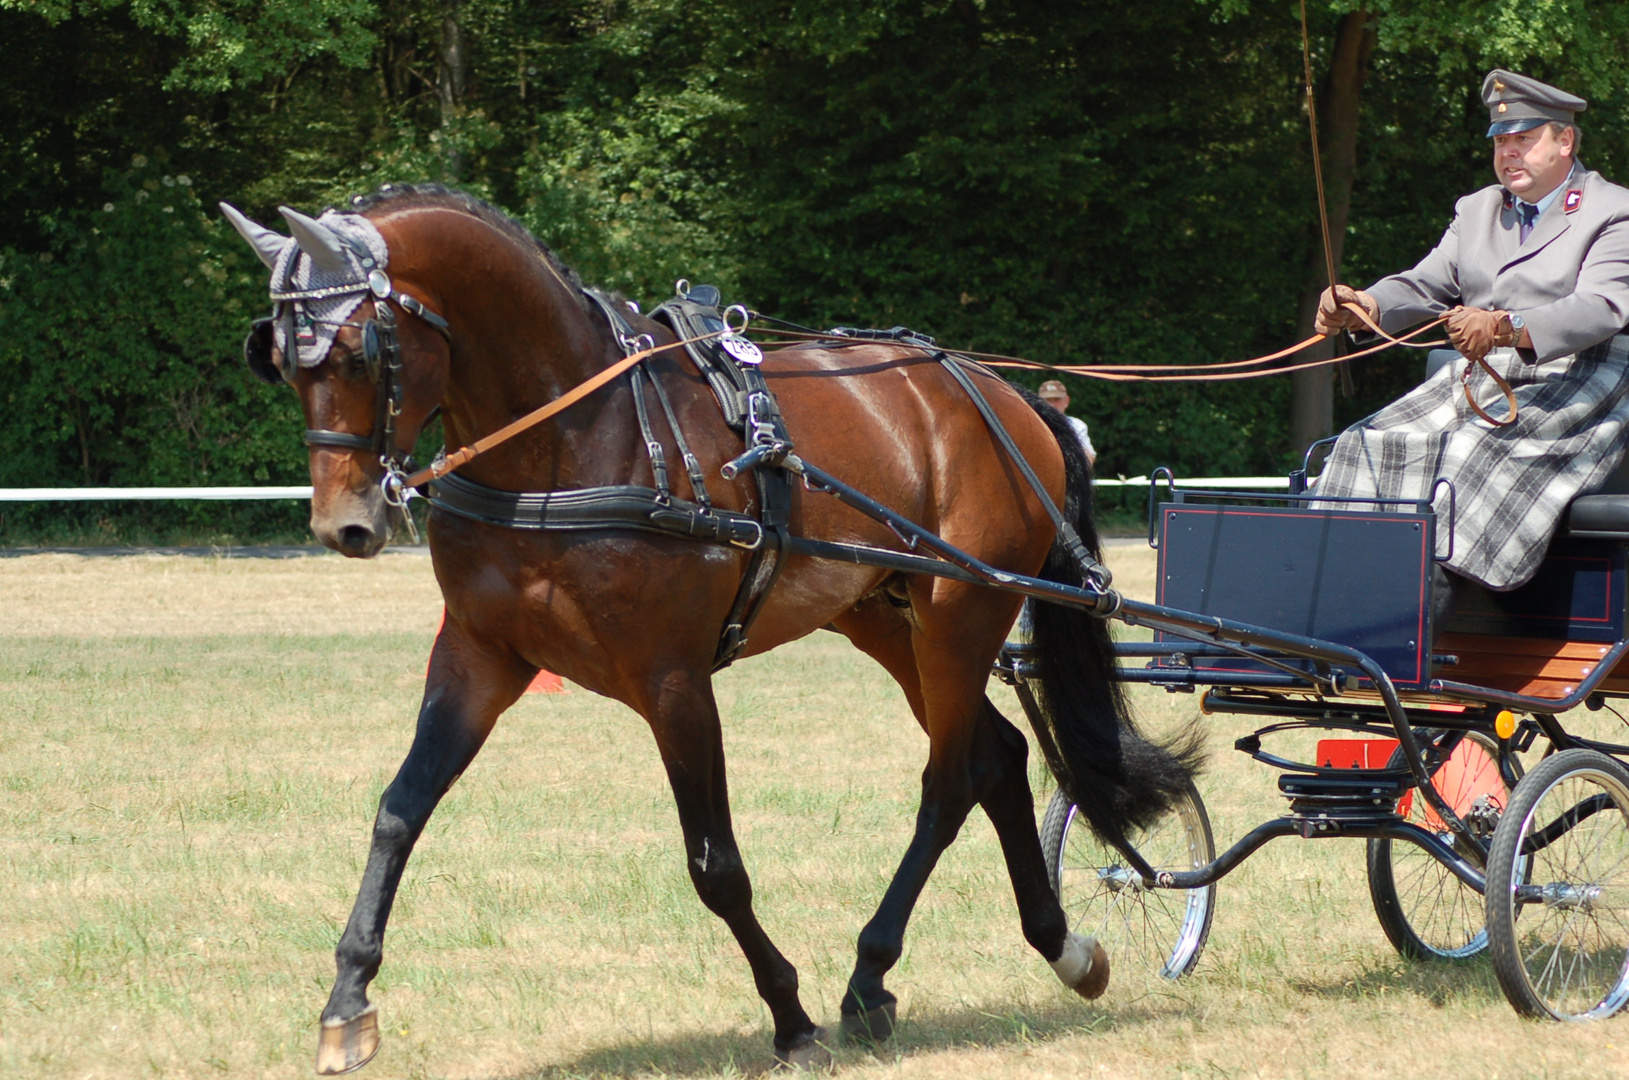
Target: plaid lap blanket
[1511, 484]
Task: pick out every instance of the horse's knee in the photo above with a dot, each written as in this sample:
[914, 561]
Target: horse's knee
[392, 830]
[720, 878]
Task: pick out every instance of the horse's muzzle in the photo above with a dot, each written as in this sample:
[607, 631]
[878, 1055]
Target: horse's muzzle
[354, 524]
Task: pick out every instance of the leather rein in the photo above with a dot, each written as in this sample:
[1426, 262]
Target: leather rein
[1228, 371]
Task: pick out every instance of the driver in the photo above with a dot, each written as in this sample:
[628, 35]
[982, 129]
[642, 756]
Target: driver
[1533, 275]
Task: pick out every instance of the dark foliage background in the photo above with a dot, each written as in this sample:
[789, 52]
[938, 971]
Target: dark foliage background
[1070, 181]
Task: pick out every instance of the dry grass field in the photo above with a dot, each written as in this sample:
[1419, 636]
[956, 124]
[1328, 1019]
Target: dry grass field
[190, 754]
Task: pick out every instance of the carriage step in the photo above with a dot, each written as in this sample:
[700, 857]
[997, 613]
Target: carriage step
[1368, 795]
[1381, 786]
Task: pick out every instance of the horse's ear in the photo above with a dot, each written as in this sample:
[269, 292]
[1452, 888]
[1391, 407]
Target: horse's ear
[267, 244]
[257, 353]
[318, 241]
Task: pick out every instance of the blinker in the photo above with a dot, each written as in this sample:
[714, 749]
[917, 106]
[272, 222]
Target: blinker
[372, 351]
[257, 353]
[379, 282]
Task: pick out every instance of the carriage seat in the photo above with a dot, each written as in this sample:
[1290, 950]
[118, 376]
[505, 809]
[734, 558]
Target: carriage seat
[1601, 515]
[1597, 517]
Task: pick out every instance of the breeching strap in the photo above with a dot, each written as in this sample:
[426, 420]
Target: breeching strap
[437, 469]
[1092, 571]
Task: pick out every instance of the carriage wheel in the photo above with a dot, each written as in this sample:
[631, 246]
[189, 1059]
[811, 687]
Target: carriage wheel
[1558, 889]
[1146, 932]
[1427, 912]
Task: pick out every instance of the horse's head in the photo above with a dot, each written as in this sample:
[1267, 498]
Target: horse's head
[368, 359]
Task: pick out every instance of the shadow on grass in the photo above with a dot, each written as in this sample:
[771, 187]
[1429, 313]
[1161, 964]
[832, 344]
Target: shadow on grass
[1436, 982]
[749, 1054]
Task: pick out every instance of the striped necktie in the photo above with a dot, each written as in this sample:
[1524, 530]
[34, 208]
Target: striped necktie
[1527, 213]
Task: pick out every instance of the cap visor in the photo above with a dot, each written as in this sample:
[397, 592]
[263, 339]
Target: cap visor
[1510, 127]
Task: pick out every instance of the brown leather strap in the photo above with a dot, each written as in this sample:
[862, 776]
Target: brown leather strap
[464, 456]
[1499, 381]
[1166, 372]
[1210, 372]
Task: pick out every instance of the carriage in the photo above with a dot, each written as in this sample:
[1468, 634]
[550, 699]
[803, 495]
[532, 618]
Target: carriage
[641, 516]
[1421, 735]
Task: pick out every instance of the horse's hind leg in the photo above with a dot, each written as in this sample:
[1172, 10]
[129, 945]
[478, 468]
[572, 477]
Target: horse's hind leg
[684, 718]
[1003, 762]
[997, 779]
[464, 693]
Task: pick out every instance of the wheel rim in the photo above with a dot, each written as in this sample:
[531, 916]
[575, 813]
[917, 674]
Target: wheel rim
[1152, 932]
[1573, 937]
[1446, 917]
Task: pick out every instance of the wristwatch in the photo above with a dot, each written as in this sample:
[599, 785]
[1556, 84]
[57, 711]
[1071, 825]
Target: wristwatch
[1516, 324]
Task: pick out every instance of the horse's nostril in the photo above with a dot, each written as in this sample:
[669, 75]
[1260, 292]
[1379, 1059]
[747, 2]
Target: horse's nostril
[355, 537]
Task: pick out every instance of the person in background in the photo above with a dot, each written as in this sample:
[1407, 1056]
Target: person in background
[1053, 393]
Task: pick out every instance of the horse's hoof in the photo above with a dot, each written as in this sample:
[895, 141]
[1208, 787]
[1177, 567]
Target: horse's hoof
[347, 1045]
[807, 1054]
[872, 1026]
[1083, 967]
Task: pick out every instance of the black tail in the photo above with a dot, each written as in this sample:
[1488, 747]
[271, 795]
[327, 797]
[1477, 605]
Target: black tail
[1119, 779]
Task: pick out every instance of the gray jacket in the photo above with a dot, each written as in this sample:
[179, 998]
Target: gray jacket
[1570, 281]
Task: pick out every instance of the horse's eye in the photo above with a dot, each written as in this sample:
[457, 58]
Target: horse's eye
[349, 362]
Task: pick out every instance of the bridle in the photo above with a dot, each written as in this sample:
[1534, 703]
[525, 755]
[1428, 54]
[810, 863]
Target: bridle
[381, 354]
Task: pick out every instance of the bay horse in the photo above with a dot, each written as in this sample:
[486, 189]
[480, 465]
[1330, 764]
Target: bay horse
[492, 326]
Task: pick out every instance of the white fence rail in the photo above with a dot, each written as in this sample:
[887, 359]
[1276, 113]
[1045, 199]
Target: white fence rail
[91, 494]
[219, 494]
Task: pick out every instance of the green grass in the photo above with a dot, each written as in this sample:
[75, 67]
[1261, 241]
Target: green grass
[190, 756]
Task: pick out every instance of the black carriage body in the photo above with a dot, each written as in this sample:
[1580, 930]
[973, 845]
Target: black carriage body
[1578, 594]
[1361, 579]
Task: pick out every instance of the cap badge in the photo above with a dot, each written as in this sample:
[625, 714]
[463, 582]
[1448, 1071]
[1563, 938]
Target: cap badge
[1570, 201]
[1503, 106]
[1499, 86]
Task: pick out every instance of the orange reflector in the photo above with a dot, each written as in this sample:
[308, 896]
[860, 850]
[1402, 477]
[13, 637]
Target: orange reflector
[1504, 725]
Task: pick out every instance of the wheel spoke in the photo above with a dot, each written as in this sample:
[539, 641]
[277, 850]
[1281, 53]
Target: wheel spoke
[1563, 954]
[1148, 932]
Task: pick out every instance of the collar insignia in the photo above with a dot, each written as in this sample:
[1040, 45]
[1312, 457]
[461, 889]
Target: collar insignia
[1571, 200]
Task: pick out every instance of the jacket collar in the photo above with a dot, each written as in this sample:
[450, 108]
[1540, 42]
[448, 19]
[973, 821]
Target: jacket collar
[1554, 221]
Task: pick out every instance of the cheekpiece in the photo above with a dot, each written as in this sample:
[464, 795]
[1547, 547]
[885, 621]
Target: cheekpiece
[1518, 103]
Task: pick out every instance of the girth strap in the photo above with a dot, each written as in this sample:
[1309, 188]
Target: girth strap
[621, 506]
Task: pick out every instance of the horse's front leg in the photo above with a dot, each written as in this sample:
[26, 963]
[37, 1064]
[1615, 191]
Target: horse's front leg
[465, 691]
[684, 718]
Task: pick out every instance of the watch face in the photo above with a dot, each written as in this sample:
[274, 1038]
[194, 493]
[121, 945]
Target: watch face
[1517, 322]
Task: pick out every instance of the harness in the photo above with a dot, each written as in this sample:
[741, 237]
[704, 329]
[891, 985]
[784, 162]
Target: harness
[729, 364]
[746, 402]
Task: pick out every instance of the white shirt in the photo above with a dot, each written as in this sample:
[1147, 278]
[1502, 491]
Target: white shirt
[1082, 434]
